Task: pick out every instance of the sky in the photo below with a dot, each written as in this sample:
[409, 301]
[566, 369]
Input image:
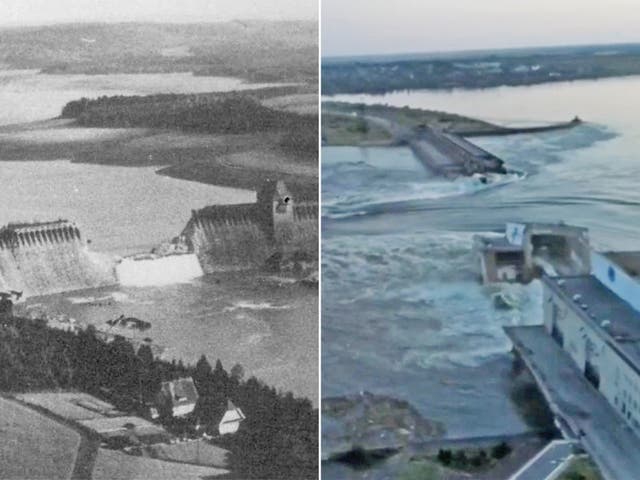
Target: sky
[405, 26]
[39, 12]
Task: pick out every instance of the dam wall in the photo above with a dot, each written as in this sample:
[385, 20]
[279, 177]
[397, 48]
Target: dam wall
[52, 257]
[304, 229]
[227, 237]
[246, 236]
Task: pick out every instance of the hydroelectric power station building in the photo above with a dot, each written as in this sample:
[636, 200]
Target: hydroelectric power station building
[596, 319]
[586, 358]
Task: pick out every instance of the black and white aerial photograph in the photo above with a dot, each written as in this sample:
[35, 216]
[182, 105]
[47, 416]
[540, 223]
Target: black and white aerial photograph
[159, 239]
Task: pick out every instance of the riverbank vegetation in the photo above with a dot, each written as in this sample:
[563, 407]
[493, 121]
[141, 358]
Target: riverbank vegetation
[195, 137]
[278, 439]
[367, 125]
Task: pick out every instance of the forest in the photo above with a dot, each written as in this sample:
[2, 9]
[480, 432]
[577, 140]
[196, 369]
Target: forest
[278, 439]
[231, 113]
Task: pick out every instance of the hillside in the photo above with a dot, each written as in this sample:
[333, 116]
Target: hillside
[253, 50]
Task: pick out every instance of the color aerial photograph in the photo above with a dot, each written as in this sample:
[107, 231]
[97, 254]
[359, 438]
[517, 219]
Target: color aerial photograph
[480, 240]
[159, 239]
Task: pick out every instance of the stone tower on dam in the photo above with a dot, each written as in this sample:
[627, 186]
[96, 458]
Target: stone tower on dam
[282, 222]
[49, 257]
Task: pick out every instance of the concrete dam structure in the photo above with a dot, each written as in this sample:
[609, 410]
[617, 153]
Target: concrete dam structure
[282, 223]
[49, 257]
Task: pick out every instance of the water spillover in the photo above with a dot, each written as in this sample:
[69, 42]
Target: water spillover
[403, 312]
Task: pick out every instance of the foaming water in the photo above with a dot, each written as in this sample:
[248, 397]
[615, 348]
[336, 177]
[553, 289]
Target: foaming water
[156, 272]
[237, 317]
[403, 311]
[370, 180]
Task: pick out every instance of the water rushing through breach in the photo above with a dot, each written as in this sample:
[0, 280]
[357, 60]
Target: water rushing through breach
[403, 311]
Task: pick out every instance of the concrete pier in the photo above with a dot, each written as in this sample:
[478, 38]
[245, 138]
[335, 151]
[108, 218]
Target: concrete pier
[450, 155]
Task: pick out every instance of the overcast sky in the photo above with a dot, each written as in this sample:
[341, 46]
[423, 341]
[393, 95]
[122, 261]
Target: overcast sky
[397, 26]
[36, 12]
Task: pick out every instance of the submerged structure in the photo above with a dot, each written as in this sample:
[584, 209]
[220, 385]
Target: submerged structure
[42, 258]
[282, 223]
[527, 250]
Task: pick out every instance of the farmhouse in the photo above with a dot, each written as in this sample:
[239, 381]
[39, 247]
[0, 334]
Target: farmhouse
[231, 419]
[179, 397]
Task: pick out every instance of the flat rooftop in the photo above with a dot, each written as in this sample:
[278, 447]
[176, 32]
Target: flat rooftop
[614, 318]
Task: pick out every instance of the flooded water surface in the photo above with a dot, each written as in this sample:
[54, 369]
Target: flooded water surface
[403, 311]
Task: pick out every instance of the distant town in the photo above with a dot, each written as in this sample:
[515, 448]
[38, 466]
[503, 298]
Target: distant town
[477, 69]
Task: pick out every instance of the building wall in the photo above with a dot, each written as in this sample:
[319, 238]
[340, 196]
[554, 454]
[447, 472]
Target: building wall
[225, 244]
[240, 237]
[619, 383]
[616, 279]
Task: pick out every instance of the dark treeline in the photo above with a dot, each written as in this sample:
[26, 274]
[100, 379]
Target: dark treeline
[485, 70]
[204, 113]
[279, 438]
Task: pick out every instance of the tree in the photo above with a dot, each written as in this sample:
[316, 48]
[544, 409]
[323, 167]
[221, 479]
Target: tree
[444, 456]
[237, 372]
[501, 450]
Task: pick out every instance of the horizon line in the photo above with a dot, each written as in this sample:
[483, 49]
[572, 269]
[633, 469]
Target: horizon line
[475, 50]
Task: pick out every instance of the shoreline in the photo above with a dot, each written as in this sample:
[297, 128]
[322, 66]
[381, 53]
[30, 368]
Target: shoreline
[376, 125]
[213, 159]
[450, 88]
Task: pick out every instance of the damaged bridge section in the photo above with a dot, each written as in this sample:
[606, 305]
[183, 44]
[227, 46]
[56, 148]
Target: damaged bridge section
[451, 155]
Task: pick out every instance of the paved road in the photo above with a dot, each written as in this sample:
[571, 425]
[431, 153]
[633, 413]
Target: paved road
[547, 461]
[611, 444]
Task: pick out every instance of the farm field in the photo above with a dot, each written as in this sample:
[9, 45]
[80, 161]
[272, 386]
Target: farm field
[114, 465]
[35, 446]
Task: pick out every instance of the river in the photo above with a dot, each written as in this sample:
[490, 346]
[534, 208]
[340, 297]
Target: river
[403, 313]
[269, 325]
